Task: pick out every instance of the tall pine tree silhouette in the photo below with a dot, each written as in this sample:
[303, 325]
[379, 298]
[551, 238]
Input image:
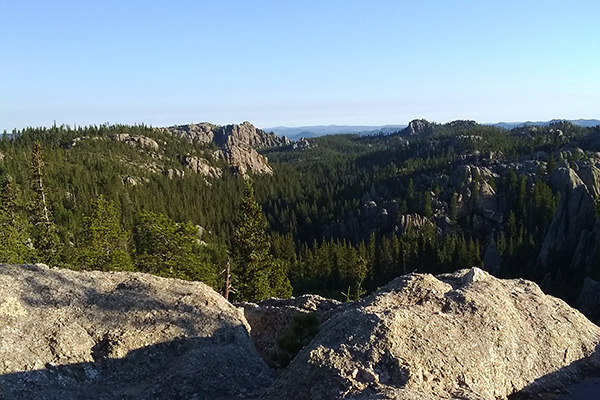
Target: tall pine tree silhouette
[44, 232]
[258, 275]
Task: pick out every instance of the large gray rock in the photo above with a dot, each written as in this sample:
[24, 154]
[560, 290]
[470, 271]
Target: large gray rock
[465, 335]
[97, 335]
[418, 126]
[245, 160]
[202, 132]
[587, 253]
[415, 222]
[464, 178]
[574, 215]
[137, 141]
[246, 134]
[590, 176]
[200, 166]
[564, 179]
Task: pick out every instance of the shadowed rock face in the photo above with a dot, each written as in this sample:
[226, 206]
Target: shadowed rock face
[270, 319]
[573, 220]
[465, 335]
[71, 335]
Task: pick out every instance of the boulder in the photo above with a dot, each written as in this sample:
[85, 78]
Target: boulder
[199, 166]
[564, 179]
[245, 160]
[137, 141]
[99, 335]
[465, 335]
[173, 173]
[590, 175]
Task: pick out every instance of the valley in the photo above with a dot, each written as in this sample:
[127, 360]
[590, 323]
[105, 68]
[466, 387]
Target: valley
[343, 214]
[467, 226]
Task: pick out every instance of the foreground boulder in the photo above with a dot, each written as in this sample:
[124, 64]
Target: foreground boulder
[98, 335]
[465, 335]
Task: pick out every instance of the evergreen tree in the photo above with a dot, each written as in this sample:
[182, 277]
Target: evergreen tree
[104, 245]
[256, 270]
[454, 206]
[427, 211]
[46, 241]
[167, 248]
[13, 226]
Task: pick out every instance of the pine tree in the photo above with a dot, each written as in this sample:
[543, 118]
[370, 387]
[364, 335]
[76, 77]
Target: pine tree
[46, 241]
[171, 249]
[13, 226]
[427, 210]
[104, 245]
[454, 206]
[256, 269]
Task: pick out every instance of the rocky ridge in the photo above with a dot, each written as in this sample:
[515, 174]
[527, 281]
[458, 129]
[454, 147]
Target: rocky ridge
[236, 143]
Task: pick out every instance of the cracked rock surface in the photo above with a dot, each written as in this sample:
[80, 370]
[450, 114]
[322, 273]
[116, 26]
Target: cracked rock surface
[464, 335]
[71, 335]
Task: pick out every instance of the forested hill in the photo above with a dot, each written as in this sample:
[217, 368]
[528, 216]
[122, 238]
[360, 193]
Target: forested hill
[344, 213]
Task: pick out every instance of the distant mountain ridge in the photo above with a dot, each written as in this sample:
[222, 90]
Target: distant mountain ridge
[295, 133]
[579, 122]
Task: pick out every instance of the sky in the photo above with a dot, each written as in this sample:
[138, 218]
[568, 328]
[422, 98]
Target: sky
[296, 63]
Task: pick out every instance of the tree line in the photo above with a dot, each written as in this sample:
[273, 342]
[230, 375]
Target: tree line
[71, 206]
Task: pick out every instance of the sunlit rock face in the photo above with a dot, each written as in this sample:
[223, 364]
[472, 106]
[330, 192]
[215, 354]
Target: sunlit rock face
[465, 335]
[121, 335]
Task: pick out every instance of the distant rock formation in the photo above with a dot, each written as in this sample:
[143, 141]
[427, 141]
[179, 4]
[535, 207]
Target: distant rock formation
[203, 132]
[245, 160]
[137, 141]
[237, 143]
[98, 335]
[574, 218]
[470, 178]
[590, 175]
[465, 335]
[199, 166]
[246, 134]
[415, 222]
[417, 126]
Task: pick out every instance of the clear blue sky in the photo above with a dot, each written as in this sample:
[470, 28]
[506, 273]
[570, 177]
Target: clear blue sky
[297, 62]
